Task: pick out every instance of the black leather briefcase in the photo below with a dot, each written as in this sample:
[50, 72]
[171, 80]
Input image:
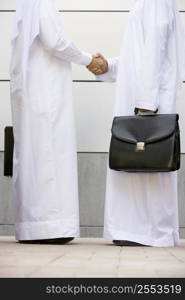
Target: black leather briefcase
[145, 143]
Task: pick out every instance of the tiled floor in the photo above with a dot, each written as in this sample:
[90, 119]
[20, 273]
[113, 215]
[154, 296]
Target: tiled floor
[87, 257]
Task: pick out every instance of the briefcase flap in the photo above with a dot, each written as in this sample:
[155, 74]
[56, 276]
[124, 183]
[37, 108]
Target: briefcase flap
[147, 129]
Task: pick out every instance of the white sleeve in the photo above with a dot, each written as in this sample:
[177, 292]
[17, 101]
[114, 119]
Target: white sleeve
[111, 75]
[156, 34]
[53, 39]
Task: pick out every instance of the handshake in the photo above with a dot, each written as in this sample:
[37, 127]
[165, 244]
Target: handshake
[98, 65]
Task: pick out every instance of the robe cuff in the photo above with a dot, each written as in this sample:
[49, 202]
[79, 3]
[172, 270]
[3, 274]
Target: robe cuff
[85, 59]
[146, 105]
[111, 63]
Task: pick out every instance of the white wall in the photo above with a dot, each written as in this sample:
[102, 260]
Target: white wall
[95, 25]
[86, 4]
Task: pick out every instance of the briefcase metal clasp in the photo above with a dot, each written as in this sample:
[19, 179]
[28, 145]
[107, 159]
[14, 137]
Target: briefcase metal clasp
[140, 146]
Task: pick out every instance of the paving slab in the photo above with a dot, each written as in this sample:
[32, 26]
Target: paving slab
[89, 257]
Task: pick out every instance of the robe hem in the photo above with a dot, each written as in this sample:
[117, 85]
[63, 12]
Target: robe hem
[47, 229]
[168, 241]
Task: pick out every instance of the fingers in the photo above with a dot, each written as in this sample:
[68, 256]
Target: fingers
[99, 55]
[143, 112]
[97, 71]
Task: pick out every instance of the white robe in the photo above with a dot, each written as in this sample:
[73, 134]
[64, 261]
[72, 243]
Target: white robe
[45, 160]
[143, 207]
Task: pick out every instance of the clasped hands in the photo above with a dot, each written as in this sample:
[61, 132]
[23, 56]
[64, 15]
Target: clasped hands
[98, 65]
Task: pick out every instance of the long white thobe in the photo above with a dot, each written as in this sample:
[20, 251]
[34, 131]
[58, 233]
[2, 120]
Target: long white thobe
[143, 207]
[45, 160]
